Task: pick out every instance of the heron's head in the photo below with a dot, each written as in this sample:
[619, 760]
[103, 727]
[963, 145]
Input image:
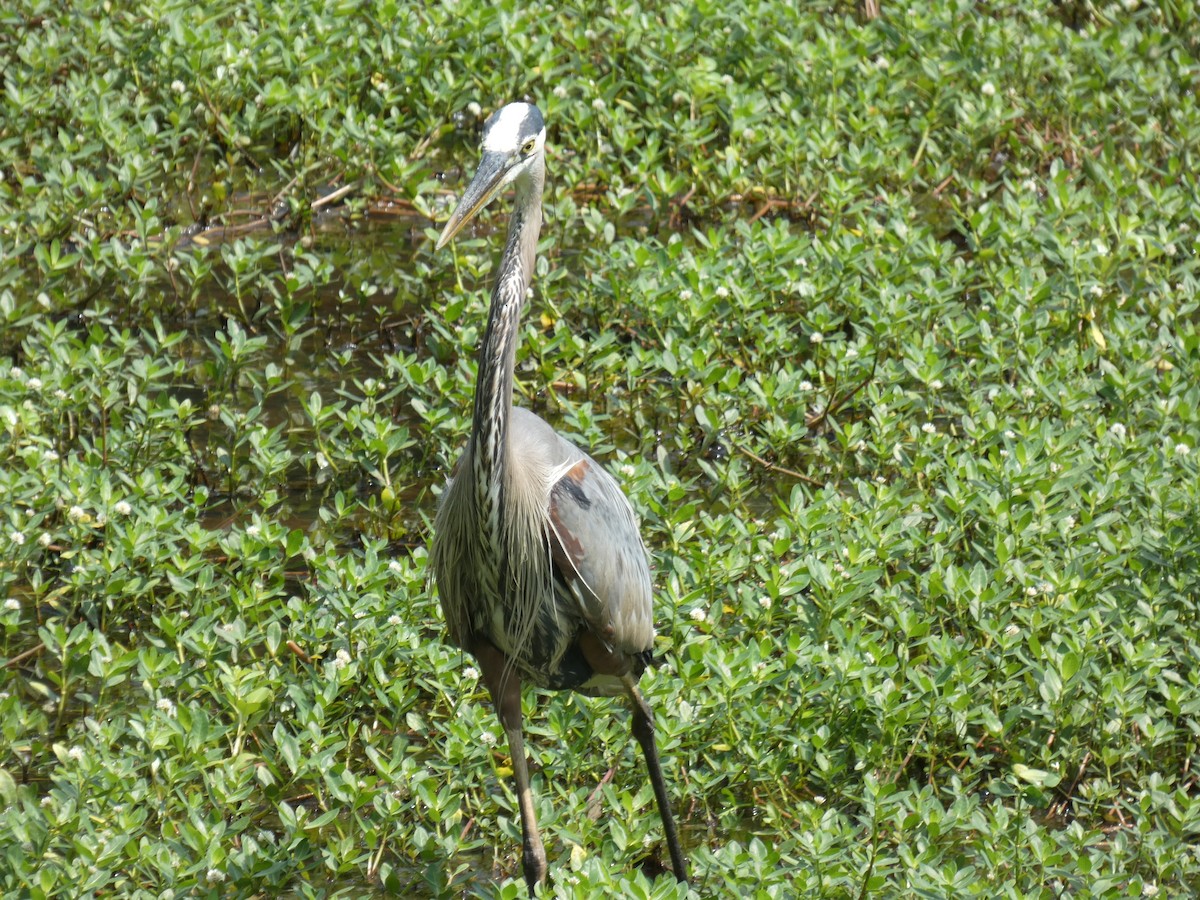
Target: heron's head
[514, 144]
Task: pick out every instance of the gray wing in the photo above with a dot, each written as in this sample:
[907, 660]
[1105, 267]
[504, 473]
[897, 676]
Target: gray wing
[595, 546]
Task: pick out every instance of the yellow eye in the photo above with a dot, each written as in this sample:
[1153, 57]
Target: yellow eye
[528, 146]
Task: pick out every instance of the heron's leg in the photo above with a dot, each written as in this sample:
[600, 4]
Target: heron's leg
[505, 685]
[643, 730]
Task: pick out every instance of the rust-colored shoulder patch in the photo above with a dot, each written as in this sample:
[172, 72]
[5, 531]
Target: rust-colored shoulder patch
[565, 547]
[577, 472]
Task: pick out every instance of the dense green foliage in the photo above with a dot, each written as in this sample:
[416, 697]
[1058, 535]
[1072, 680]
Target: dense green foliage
[889, 329]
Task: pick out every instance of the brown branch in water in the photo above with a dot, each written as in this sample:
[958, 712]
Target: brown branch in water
[298, 651]
[834, 405]
[1061, 805]
[677, 207]
[287, 187]
[780, 469]
[769, 204]
[912, 749]
[334, 196]
[941, 187]
[21, 657]
[593, 804]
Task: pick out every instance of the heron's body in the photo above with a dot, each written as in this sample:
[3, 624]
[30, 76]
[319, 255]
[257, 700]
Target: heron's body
[580, 570]
[540, 567]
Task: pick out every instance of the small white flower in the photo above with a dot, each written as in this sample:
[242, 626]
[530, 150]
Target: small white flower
[488, 739]
[12, 603]
[1068, 522]
[50, 456]
[1097, 291]
[1117, 430]
[34, 384]
[1046, 587]
[60, 394]
[253, 531]
[17, 537]
[685, 295]
[598, 104]
[471, 673]
[1182, 449]
[698, 615]
[988, 89]
[75, 753]
[764, 602]
[16, 373]
[166, 706]
[816, 337]
[43, 300]
[1012, 630]
[722, 291]
[1028, 393]
[122, 508]
[1149, 889]
[806, 386]
[396, 567]
[44, 539]
[76, 513]
[883, 63]
[929, 428]
[1003, 453]
[1031, 591]
[1170, 248]
[474, 109]
[727, 80]
[1055, 468]
[395, 620]
[560, 92]
[322, 462]
[47, 801]
[748, 134]
[178, 86]
[214, 876]
[936, 384]
[1010, 434]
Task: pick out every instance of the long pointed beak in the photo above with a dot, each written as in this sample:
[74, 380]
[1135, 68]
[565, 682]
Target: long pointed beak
[486, 184]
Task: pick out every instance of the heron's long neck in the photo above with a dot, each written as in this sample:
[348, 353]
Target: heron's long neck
[497, 354]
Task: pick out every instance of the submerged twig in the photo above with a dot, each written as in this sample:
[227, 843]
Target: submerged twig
[783, 470]
[334, 196]
[21, 657]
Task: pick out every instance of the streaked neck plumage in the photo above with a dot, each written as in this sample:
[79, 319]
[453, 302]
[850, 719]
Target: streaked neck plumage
[497, 353]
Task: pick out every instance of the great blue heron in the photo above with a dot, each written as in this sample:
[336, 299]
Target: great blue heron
[539, 564]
